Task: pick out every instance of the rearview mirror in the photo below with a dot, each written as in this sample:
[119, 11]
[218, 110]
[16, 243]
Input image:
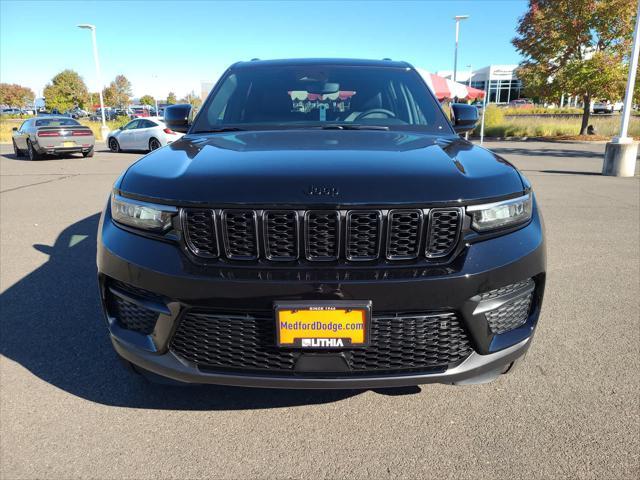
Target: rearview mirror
[178, 117]
[322, 88]
[465, 117]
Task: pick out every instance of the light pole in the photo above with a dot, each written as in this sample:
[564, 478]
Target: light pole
[457, 18]
[620, 154]
[104, 129]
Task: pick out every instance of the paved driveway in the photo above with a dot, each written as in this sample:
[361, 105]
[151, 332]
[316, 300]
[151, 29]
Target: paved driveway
[68, 410]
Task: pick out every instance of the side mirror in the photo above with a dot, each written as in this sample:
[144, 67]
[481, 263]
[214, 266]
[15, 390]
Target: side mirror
[465, 117]
[15, 129]
[178, 117]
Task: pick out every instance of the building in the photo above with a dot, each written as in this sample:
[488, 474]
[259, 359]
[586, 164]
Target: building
[500, 81]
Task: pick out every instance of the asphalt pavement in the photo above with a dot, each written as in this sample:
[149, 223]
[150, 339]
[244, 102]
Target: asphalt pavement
[68, 410]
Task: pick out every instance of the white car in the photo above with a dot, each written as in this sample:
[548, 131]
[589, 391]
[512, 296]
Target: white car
[142, 134]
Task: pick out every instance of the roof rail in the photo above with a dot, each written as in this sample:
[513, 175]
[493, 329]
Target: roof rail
[255, 59]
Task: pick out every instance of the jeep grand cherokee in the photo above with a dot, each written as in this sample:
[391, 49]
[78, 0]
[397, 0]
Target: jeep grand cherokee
[321, 225]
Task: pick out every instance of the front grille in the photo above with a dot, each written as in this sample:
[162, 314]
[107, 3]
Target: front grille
[323, 235]
[510, 315]
[240, 234]
[200, 228]
[363, 235]
[398, 343]
[130, 315]
[405, 229]
[281, 235]
[444, 227]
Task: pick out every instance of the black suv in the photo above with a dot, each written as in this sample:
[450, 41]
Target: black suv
[321, 225]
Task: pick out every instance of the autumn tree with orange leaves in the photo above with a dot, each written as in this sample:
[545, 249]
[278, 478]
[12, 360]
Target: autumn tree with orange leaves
[577, 47]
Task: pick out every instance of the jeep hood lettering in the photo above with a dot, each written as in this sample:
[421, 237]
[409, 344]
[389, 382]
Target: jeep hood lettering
[283, 166]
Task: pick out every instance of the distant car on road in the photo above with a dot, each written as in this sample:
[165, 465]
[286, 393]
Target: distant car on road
[142, 134]
[76, 113]
[140, 111]
[521, 103]
[54, 135]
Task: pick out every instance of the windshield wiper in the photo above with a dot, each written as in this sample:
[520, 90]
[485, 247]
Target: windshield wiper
[222, 129]
[348, 126]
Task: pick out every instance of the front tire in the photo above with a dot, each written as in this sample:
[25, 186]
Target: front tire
[154, 144]
[31, 151]
[16, 151]
[114, 146]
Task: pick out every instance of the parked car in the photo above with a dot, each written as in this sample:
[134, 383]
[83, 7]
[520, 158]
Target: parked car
[11, 111]
[142, 134]
[140, 111]
[605, 106]
[521, 103]
[76, 113]
[53, 135]
[318, 229]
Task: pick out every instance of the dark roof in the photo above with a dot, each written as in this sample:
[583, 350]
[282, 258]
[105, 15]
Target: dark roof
[321, 61]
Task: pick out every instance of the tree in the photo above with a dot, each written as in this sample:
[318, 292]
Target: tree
[576, 47]
[193, 99]
[66, 90]
[147, 100]
[14, 95]
[171, 98]
[118, 92]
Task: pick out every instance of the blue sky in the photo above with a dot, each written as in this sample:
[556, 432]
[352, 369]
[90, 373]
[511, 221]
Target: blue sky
[174, 45]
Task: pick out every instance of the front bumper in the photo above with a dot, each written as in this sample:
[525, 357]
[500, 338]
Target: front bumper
[162, 268]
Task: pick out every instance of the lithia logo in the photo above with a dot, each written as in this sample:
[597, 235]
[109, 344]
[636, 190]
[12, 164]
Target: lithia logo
[325, 191]
[322, 342]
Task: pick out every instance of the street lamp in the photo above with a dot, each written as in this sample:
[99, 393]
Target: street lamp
[104, 129]
[457, 18]
[620, 154]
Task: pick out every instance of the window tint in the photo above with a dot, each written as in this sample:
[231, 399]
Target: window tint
[132, 125]
[295, 96]
[56, 122]
[147, 124]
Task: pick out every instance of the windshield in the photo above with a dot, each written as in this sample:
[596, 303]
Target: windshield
[321, 96]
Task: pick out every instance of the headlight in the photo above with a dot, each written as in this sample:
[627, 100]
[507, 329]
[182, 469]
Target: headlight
[147, 216]
[503, 214]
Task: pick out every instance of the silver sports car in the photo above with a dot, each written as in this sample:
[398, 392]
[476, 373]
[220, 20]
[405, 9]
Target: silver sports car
[52, 135]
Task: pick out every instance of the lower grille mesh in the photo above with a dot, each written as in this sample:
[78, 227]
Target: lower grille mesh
[510, 315]
[131, 315]
[398, 343]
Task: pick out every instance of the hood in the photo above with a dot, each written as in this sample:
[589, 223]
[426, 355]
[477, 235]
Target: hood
[338, 167]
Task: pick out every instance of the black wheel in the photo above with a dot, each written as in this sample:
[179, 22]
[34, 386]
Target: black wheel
[114, 146]
[17, 152]
[88, 154]
[31, 152]
[154, 144]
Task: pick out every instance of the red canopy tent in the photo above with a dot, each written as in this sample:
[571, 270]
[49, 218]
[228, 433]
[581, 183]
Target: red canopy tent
[444, 89]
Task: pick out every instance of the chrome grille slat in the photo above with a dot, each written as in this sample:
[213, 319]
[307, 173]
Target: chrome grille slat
[322, 235]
